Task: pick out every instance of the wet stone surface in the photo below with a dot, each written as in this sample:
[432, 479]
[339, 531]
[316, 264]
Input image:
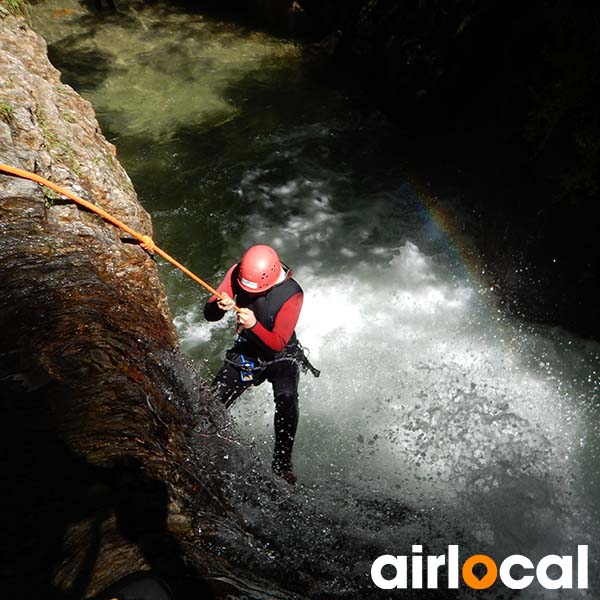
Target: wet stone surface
[104, 474]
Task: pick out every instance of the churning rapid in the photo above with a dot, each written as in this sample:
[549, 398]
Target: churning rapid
[437, 418]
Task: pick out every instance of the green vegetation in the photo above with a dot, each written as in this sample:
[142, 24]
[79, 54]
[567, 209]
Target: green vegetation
[6, 110]
[49, 135]
[50, 196]
[57, 146]
[19, 8]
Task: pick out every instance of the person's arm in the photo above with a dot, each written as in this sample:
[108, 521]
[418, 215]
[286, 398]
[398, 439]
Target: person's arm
[212, 311]
[283, 328]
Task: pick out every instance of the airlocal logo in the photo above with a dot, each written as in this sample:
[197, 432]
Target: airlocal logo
[526, 572]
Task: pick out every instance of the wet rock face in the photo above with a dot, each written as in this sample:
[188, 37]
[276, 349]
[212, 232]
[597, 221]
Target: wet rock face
[99, 409]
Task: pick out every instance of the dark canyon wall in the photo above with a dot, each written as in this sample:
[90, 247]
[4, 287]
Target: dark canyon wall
[113, 455]
[497, 103]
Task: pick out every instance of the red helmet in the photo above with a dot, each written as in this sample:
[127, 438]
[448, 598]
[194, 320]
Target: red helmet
[260, 268]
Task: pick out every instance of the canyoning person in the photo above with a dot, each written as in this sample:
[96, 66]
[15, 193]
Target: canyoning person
[266, 347]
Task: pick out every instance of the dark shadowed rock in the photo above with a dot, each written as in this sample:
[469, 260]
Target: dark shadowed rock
[113, 454]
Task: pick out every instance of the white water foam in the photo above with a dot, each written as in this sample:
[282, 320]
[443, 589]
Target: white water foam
[428, 394]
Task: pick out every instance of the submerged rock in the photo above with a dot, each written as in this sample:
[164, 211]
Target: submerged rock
[104, 468]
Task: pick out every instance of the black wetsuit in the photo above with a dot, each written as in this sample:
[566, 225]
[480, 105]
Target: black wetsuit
[278, 366]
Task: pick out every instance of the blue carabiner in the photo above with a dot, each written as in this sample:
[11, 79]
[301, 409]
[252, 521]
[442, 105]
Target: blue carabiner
[246, 369]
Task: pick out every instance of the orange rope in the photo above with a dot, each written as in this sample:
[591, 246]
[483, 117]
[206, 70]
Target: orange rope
[146, 241]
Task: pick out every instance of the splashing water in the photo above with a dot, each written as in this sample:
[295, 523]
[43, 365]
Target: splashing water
[429, 395]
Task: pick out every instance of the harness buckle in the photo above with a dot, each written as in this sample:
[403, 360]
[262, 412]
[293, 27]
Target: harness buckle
[246, 369]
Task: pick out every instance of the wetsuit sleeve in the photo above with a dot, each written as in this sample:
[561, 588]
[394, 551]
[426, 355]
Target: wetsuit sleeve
[283, 328]
[211, 310]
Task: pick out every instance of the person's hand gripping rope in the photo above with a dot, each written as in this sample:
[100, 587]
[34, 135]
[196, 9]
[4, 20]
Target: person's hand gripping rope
[245, 317]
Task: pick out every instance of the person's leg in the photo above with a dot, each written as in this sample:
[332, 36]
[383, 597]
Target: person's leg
[227, 384]
[284, 377]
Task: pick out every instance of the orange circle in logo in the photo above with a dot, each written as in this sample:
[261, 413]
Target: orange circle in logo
[472, 580]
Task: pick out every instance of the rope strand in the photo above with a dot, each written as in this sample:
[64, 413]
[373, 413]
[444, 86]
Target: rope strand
[146, 241]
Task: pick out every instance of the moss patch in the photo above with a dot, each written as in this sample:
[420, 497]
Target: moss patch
[6, 110]
[19, 8]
